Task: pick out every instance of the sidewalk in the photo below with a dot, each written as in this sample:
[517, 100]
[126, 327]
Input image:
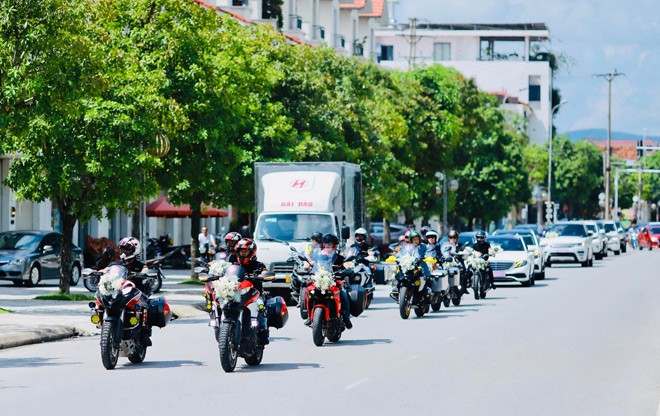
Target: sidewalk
[34, 321]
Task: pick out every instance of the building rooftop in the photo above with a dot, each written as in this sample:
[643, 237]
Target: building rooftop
[479, 26]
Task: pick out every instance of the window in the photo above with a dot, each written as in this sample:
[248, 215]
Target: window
[534, 88]
[442, 51]
[387, 53]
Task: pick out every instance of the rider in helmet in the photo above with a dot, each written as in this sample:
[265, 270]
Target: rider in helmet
[230, 245]
[432, 243]
[246, 256]
[129, 254]
[450, 251]
[314, 246]
[331, 242]
[361, 245]
[483, 247]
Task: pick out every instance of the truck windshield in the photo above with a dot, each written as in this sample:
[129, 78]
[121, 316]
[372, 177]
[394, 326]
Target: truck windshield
[292, 227]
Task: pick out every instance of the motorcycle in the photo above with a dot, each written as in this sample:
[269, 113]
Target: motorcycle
[91, 280]
[125, 315]
[412, 283]
[232, 293]
[360, 273]
[477, 268]
[174, 256]
[439, 282]
[455, 271]
[299, 277]
[323, 300]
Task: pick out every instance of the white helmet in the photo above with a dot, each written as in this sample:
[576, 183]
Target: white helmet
[361, 231]
[129, 247]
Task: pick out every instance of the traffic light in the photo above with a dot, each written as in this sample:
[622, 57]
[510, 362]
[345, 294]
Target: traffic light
[640, 149]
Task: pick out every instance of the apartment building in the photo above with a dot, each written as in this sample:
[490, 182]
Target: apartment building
[511, 61]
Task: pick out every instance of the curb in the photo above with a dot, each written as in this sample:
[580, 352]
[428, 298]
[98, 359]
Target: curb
[39, 335]
[59, 332]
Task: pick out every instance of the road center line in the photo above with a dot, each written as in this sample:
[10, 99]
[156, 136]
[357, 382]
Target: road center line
[350, 386]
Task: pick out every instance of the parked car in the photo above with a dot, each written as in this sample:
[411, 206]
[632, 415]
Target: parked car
[376, 233]
[648, 237]
[515, 263]
[532, 243]
[538, 229]
[614, 240]
[28, 257]
[568, 242]
[598, 241]
[623, 238]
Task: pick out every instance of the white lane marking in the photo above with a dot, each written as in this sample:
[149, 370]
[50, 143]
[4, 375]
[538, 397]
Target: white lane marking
[657, 412]
[350, 386]
[414, 357]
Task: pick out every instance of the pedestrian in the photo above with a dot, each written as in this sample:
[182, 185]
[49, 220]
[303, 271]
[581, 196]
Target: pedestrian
[207, 244]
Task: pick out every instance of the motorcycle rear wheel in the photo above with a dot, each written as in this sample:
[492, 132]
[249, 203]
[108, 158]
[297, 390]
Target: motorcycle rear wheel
[404, 303]
[420, 311]
[138, 356]
[334, 334]
[435, 306]
[446, 300]
[303, 306]
[317, 327]
[228, 351]
[255, 359]
[456, 300]
[109, 354]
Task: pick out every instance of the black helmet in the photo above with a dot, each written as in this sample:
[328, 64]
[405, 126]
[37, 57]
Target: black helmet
[317, 236]
[481, 234]
[330, 239]
[453, 234]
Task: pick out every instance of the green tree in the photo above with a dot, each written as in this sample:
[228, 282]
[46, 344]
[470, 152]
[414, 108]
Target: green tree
[80, 110]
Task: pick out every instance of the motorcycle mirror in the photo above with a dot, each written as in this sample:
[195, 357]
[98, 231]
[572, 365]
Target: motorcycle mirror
[203, 277]
[267, 276]
[199, 270]
[87, 271]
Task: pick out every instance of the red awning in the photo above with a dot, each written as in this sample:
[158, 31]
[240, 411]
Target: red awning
[162, 208]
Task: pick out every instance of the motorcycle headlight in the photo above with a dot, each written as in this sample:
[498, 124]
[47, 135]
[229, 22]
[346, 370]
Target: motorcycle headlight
[17, 262]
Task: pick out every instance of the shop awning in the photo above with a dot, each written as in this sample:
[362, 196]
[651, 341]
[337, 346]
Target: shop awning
[162, 208]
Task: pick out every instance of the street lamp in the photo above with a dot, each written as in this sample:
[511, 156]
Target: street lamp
[552, 112]
[453, 186]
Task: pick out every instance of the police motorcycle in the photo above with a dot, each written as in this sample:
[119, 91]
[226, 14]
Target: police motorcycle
[231, 292]
[359, 273]
[413, 287]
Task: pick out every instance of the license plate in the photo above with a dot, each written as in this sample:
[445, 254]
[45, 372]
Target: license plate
[287, 278]
[499, 273]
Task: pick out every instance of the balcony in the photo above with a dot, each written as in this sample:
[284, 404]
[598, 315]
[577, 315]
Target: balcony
[295, 22]
[319, 32]
[340, 42]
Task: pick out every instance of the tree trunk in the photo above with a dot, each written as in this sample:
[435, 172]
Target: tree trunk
[386, 231]
[194, 232]
[68, 222]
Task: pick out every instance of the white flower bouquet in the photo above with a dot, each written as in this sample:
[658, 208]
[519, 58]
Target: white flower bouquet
[217, 267]
[467, 252]
[551, 234]
[449, 264]
[476, 262]
[323, 280]
[110, 284]
[406, 263]
[225, 289]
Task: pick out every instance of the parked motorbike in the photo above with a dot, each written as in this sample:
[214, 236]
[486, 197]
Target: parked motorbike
[412, 283]
[232, 293]
[179, 256]
[324, 301]
[477, 269]
[360, 273]
[125, 315]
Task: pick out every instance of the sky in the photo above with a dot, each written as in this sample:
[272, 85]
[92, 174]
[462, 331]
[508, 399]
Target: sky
[596, 36]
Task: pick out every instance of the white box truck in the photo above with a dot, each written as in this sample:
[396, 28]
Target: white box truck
[296, 199]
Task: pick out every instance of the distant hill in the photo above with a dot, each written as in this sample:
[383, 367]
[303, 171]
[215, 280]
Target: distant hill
[577, 135]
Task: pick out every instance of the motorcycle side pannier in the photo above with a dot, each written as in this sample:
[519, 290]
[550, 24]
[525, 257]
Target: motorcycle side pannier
[454, 279]
[278, 314]
[159, 313]
[439, 281]
[358, 296]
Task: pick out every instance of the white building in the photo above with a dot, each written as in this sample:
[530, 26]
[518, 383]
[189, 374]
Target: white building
[511, 60]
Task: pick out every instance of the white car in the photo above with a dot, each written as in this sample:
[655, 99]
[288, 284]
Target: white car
[568, 242]
[514, 263]
[529, 237]
[613, 238]
[598, 240]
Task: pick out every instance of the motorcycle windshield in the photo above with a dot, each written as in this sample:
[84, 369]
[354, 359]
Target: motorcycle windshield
[112, 280]
[430, 251]
[325, 259]
[409, 250]
[235, 272]
[351, 253]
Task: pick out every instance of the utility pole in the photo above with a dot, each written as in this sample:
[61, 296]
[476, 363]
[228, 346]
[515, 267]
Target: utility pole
[412, 40]
[609, 77]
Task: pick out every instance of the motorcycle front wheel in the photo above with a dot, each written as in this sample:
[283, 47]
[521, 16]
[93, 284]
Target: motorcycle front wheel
[228, 351]
[317, 327]
[303, 306]
[91, 284]
[109, 354]
[476, 285]
[404, 303]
